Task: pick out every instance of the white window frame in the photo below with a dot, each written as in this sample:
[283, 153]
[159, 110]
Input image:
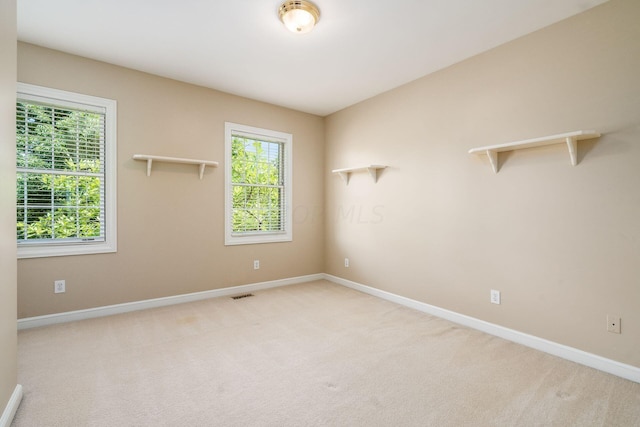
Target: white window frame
[109, 106]
[286, 139]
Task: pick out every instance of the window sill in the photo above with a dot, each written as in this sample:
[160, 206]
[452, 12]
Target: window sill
[42, 251]
[253, 239]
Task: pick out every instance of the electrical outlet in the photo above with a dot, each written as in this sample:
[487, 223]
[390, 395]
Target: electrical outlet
[613, 324]
[59, 287]
[256, 264]
[495, 297]
[346, 262]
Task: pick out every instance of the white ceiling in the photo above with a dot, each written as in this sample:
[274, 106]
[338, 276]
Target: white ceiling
[359, 48]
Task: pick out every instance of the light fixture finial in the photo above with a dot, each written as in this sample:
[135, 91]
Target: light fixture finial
[299, 16]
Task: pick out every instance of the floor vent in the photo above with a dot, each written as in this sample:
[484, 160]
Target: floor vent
[242, 296]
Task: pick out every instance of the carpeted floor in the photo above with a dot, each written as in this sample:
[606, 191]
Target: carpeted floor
[313, 354]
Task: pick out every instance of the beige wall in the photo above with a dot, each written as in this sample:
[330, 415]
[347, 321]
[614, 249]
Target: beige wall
[170, 225]
[561, 243]
[8, 364]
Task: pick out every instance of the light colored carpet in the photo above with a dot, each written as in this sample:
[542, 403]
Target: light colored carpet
[313, 354]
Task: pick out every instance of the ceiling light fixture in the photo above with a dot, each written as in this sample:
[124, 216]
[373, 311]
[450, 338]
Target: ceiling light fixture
[299, 16]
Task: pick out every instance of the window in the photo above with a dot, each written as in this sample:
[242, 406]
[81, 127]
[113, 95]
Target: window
[257, 185]
[66, 173]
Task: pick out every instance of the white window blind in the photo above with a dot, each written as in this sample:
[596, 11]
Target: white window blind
[258, 185]
[62, 190]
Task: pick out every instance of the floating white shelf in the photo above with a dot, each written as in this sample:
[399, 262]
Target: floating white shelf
[150, 159]
[570, 138]
[372, 169]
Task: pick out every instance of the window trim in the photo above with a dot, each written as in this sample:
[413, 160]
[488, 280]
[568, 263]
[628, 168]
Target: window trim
[62, 98]
[262, 236]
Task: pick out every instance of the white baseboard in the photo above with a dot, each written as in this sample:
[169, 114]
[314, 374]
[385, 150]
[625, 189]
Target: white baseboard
[622, 370]
[70, 316]
[12, 406]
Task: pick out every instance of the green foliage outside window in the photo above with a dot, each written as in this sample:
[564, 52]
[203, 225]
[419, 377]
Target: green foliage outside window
[60, 171]
[257, 183]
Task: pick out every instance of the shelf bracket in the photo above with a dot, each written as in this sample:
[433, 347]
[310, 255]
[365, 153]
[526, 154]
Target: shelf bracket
[373, 171]
[493, 159]
[345, 176]
[572, 145]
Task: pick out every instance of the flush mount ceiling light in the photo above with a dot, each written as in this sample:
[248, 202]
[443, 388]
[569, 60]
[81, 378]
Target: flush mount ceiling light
[299, 16]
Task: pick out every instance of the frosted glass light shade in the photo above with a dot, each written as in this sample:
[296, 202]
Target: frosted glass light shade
[299, 16]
